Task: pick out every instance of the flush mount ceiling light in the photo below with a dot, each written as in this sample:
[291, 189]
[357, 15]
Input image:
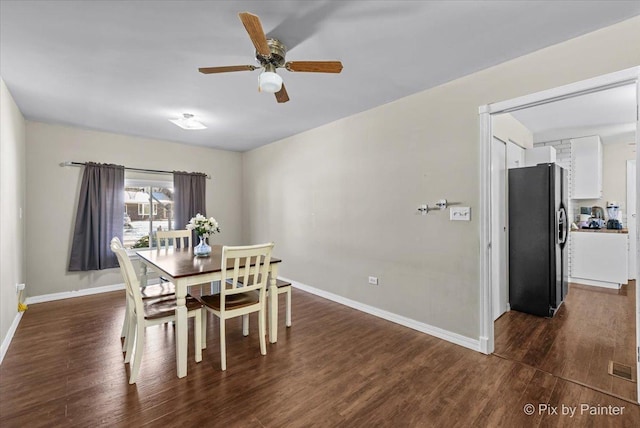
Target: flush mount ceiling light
[269, 81]
[188, 122]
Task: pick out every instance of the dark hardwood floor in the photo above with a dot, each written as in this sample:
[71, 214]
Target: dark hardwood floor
[335, 367]
[593, 326]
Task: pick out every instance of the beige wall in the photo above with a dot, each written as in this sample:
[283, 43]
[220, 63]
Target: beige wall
[52, 194]
[12, 197]
[508, 128]
[340, 200]
[614, 176]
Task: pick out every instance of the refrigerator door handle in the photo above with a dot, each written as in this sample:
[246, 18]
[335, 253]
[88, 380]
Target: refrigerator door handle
[561, 226]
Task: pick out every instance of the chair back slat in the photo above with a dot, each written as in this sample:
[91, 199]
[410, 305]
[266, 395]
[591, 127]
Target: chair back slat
[243, 264]
[180, 239]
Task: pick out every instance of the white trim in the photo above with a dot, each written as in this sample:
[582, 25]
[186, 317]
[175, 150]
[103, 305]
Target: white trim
[484, 343]
[637, 237]
[486, 313]
[71, 294]
[598, 83]
[596, 283]
[449, 336]
[7, 339]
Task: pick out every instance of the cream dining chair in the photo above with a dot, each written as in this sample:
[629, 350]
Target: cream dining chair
[240, 297]
[148, 292]
[145, 313]
[164, 239]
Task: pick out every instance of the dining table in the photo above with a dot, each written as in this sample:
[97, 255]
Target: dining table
[184, 269]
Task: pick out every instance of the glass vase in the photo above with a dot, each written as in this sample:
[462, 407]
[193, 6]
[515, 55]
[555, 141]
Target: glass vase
[202, 249]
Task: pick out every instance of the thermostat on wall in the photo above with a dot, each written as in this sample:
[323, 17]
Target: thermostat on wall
[460, 213]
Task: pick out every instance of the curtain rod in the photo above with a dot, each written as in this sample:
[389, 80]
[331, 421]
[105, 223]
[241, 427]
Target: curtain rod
[152, 171]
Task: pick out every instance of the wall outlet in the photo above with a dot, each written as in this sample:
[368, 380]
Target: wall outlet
[373, 280]
[19, 288]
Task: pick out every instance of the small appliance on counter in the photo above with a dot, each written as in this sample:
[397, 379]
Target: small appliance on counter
[613, 210]
[584, 221]
[596, 221]
[597, 212]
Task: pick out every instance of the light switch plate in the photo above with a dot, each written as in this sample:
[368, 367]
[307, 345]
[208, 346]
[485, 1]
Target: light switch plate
[460, 213]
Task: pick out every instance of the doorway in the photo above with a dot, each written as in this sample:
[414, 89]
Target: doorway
[625, 77]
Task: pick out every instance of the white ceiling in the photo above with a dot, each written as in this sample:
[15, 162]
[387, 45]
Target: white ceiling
[610, 113]
[129, 66]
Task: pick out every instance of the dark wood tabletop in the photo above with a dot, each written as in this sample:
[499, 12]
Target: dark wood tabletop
[180, 262]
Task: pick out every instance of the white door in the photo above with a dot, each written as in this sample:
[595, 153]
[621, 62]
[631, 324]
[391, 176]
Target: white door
[631, 217]
[499, 228]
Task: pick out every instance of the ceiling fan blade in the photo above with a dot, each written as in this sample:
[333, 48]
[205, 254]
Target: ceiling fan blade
[282, 95]
[314, 66]
[254, 27]
[226, 69]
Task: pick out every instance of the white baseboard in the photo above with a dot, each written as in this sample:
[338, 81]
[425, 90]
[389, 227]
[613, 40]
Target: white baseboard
[449, 336]
[440, 333]
[595, 283]
[7, 339]
[483, 344]
[71, 294]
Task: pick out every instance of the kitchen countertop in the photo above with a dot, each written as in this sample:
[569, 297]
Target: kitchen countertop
[601, 230]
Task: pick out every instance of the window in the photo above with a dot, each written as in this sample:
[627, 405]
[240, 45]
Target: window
[148, 207]
[143, 209]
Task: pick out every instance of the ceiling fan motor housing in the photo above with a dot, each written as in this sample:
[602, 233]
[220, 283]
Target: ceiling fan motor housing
[277, 57]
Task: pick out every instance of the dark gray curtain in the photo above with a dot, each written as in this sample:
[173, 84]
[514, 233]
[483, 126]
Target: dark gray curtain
[100, 217]
[188, 196]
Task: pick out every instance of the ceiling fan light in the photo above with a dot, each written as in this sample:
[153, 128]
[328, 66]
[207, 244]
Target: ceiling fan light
[270, 82]
[188, 122]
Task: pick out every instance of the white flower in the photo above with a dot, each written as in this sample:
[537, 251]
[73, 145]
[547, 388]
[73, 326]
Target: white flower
[203, 226]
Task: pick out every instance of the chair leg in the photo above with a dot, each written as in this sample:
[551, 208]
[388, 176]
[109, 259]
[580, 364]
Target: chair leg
[223, 345]
[125, 327]
[125, 324]
[203, 328]
[262, 332]
[288, 313]
[130, 339]
[197, 335]
[137, 356]
[245, 325]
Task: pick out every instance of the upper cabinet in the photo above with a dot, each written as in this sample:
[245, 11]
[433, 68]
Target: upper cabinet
[536, 155]
[586, 168]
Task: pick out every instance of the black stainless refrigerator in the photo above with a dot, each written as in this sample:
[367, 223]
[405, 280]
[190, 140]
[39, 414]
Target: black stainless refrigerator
[538, 227]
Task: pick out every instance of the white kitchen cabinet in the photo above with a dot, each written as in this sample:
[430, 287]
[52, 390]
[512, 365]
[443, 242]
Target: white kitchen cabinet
[599, 258]
[586, 167]
[536, 155]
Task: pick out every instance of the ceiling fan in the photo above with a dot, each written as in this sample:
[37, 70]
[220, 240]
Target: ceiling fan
[270, 54]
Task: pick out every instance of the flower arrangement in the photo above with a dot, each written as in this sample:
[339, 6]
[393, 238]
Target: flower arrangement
[203, 226]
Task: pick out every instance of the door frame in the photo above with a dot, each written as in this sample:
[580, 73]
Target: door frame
[502, 285]
[612, 80]
[632, 178]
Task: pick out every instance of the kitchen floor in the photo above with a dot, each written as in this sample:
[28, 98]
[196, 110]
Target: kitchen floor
[593, 327]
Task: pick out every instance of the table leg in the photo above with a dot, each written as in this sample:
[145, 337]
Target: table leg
[273, 302]
[143, 275]
[181, 329]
